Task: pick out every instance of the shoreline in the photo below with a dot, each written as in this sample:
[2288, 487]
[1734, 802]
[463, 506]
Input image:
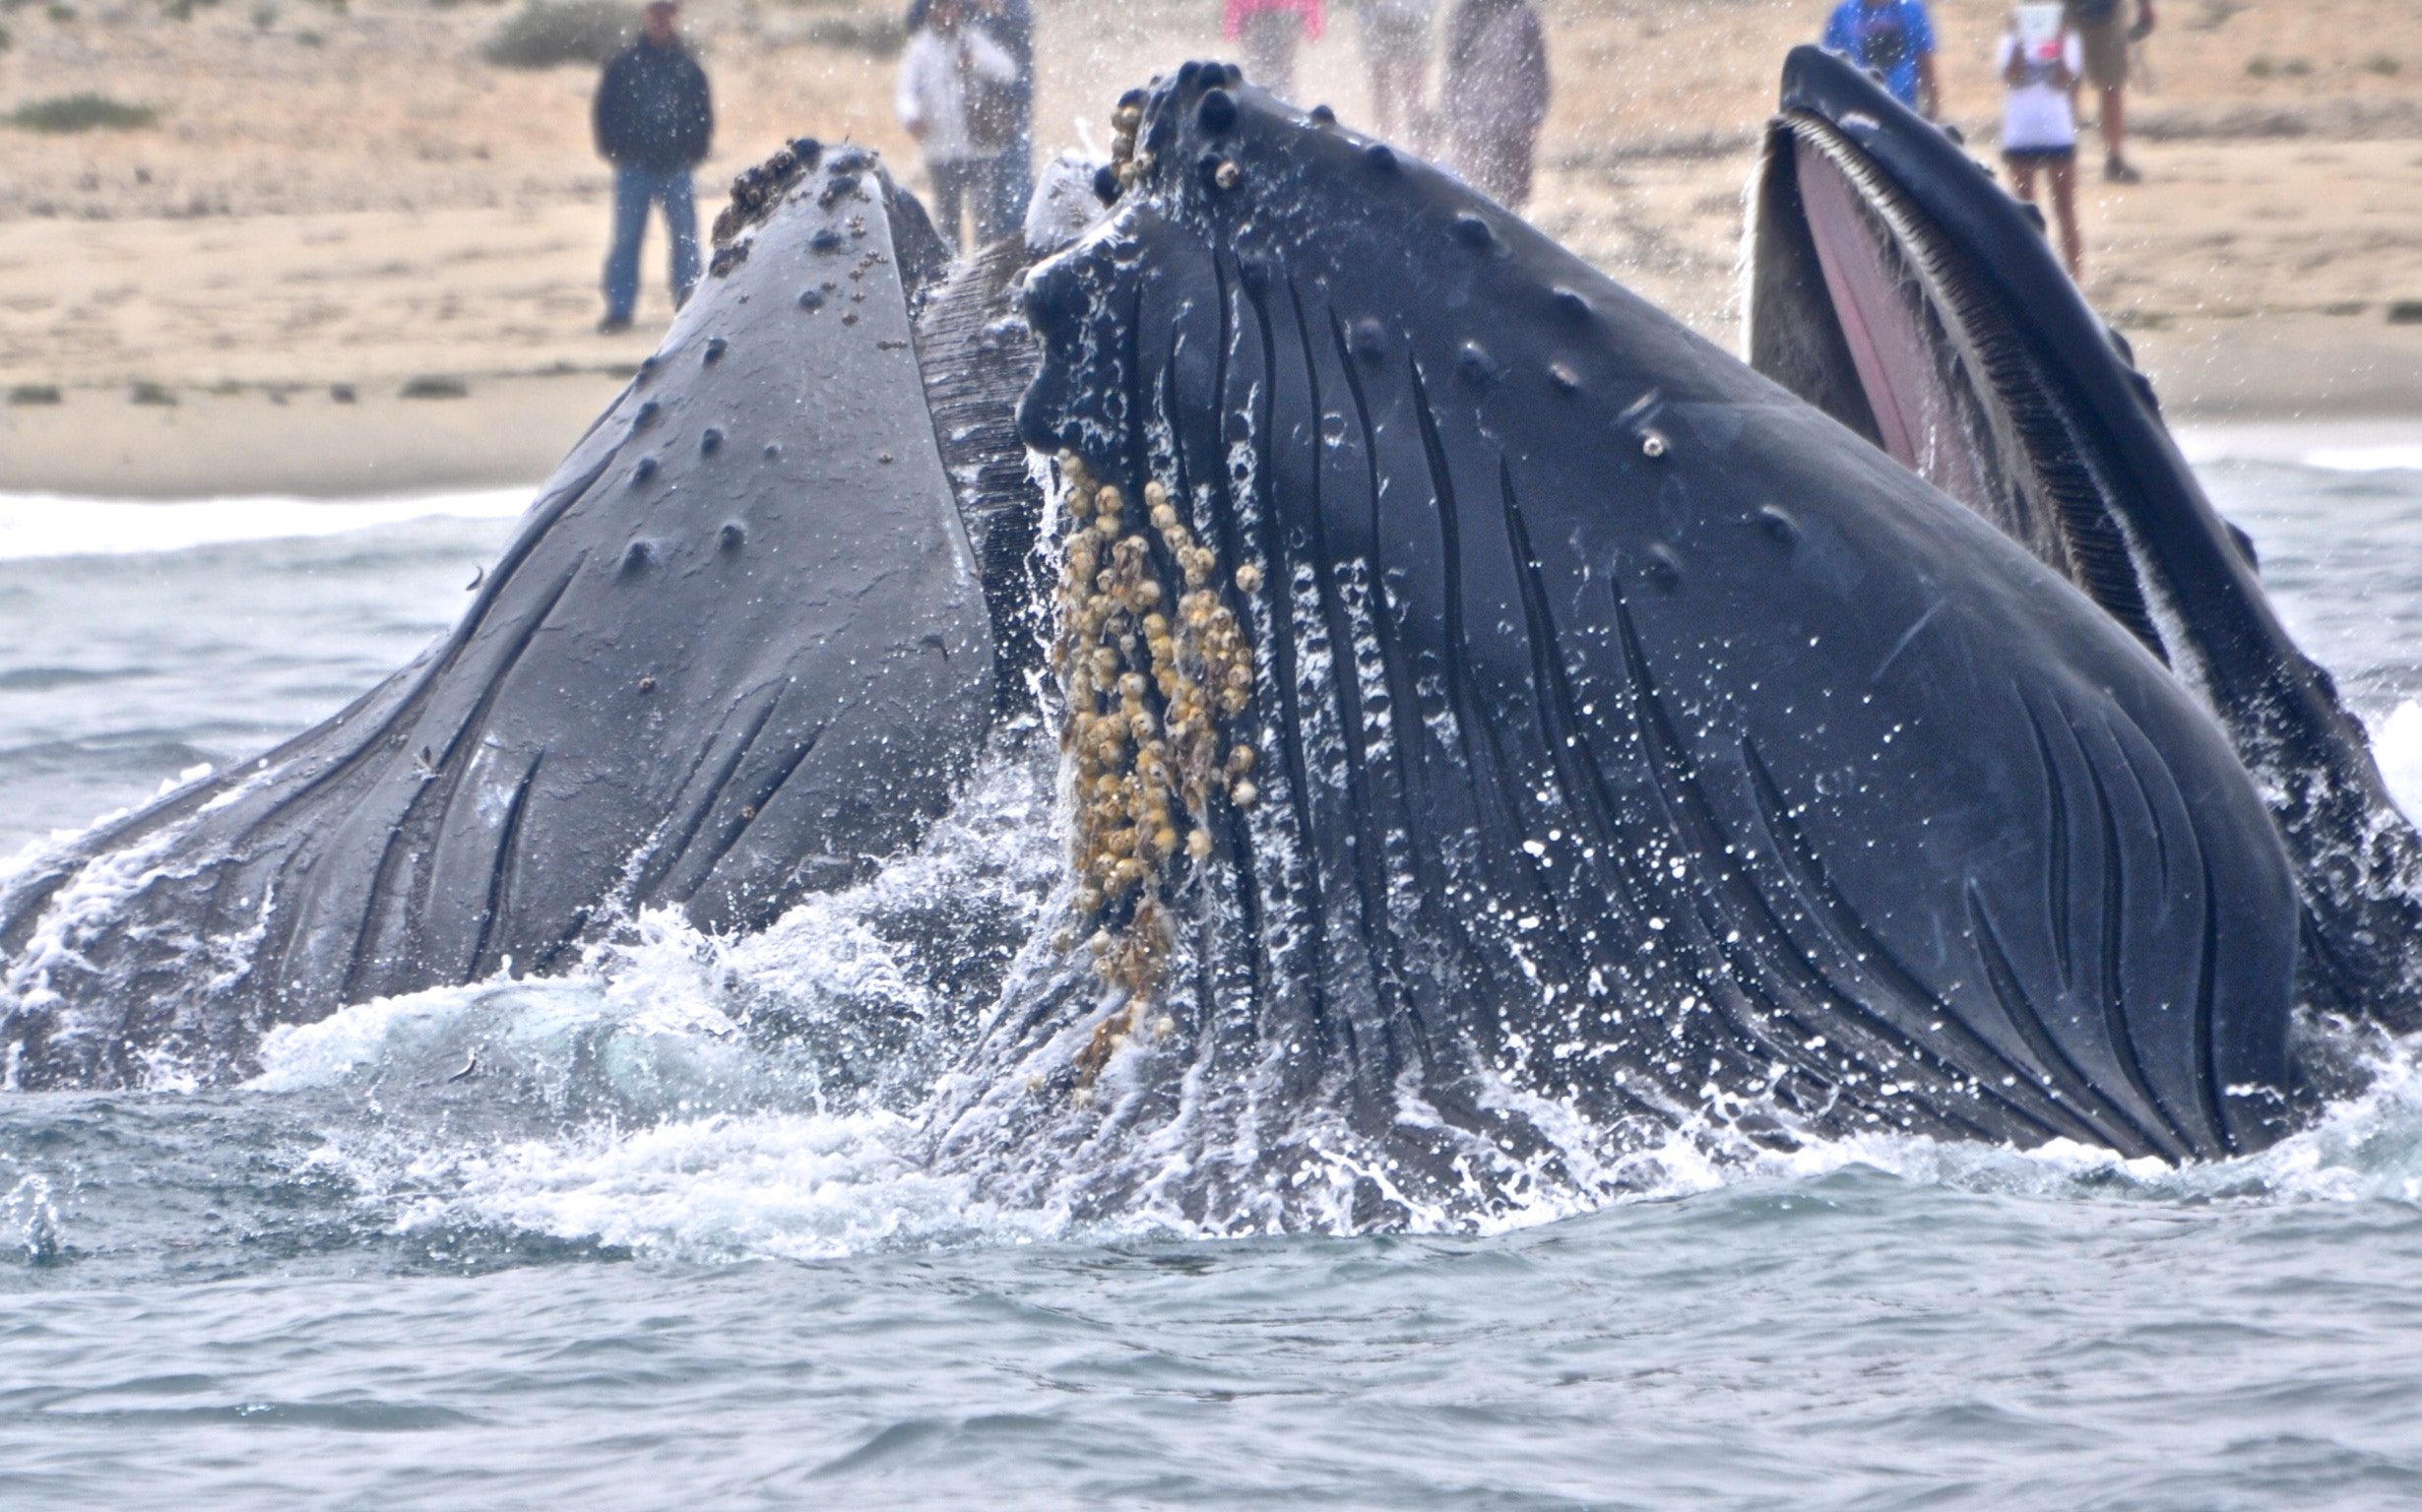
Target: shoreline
[296, 441]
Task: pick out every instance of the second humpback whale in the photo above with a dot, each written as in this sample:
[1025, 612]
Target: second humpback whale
[1496, 729]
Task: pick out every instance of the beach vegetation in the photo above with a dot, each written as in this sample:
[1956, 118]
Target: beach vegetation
[2381, 64]
[545, 34]
[2406, 312]
[86, 111]
[880, 37]
[435, 388]
[62, 13]
[142, 393]
[2259, 67]
[34, 393]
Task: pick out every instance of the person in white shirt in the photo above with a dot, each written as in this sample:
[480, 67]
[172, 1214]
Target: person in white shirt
[954, 85]
[2040, 58]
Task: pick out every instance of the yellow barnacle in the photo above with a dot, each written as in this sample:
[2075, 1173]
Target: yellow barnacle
[1146, 594]
[1241, 760]
[1198, 845]
[1248, 577]
[1244, 793]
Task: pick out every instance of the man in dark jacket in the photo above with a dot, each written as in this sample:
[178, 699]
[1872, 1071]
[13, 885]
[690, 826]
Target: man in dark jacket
[654, 121]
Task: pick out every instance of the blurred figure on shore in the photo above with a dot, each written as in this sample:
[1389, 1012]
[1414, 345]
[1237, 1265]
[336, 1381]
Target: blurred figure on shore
[654, 121]
[1008, 112]
[1895, 40]
[2039, 58]
[2105, 42]
[1396, 45]
[1271, 32]
[1495, 96]
[954, 79]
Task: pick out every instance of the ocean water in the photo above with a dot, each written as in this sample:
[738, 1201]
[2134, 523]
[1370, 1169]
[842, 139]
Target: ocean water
[597, 1243]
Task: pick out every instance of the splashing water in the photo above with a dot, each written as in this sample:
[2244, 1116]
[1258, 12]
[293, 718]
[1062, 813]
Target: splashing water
[674, 1219]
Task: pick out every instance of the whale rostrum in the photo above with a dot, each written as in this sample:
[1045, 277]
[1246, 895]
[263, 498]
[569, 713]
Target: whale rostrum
[1484, 711]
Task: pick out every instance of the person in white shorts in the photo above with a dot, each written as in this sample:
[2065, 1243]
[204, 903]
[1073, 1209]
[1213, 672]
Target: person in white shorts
[2039, 58]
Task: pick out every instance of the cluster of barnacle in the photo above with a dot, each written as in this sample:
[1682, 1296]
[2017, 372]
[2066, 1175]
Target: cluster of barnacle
[1148, 672]
[754, 194]
[1128, 164]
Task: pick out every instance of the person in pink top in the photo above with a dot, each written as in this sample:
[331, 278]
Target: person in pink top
[1271, 30]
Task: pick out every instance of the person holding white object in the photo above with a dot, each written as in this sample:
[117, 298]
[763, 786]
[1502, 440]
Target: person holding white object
[2039, 58]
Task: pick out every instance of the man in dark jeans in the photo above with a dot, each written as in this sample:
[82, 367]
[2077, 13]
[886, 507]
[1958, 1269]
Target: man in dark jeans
[654, 121]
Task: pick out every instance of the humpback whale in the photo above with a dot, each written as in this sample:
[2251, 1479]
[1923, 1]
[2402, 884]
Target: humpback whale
[736, 647]
[1495, 727]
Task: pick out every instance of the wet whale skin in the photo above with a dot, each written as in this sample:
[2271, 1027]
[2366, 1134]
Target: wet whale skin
[1631, 737]
[736, 651]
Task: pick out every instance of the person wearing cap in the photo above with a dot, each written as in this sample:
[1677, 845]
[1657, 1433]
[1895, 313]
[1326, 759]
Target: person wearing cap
[654, 120]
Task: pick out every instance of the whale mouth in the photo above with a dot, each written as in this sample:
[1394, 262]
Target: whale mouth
[1895, 287]
[1869, 308]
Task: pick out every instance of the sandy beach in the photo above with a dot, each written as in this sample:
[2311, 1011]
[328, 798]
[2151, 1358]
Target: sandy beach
[339, 205]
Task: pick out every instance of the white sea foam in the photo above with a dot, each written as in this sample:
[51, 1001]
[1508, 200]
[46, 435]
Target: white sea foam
[2366, 459]
[40, 525]
[695, 1143]
[2330, 446]
[2397, 747]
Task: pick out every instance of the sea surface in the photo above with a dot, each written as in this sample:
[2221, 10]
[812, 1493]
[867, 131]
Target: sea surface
[578, 1244]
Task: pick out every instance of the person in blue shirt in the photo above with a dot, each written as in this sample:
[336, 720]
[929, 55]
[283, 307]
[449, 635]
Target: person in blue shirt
[1894, 39]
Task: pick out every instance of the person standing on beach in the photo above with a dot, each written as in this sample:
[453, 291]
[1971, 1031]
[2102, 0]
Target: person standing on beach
[654, 121]
[1011, 179]
[1495, 96]
[1895, 40]
[2105, 42]
[950, 81]
[1003, 112]
[1396, 45]
[2039, 59]
[1272, 31]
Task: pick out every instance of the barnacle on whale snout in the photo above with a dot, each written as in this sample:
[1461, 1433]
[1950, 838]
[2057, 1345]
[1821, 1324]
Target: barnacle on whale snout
[1154, 680]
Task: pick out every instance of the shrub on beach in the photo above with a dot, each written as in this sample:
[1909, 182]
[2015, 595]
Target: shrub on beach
[882, 37]
[87, 111]
[545, 33]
